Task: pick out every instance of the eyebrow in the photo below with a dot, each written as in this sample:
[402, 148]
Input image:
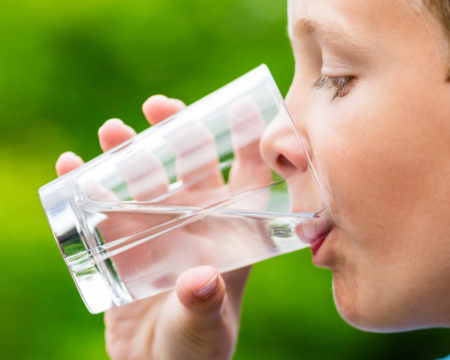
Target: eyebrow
[333, 30]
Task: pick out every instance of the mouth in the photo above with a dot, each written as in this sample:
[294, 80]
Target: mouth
[315, 231]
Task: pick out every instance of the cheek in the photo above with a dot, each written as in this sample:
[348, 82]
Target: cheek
[370, 163]
[375, 160]
[351, 169]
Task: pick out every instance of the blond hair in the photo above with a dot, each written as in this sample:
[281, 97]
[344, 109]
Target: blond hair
[441, 9]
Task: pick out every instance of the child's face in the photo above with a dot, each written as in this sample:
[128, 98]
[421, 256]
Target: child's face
[380, 139]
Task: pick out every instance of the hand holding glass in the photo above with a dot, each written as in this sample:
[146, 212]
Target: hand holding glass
[193, 190]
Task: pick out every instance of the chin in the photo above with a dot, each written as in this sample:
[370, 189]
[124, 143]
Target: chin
[367, 313]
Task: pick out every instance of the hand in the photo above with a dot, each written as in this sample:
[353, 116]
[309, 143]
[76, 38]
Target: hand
[200, 319]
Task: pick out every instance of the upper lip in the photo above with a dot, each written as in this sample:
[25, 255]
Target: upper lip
[315, 228]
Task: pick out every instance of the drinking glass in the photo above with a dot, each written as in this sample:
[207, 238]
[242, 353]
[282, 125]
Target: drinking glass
[193, 190]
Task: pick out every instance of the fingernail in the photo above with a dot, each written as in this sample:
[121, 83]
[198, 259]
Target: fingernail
[110, 121]
[130, 130]
[177, 102]
[114, 121]
[155, 97]
[69, 154]
[207, 289]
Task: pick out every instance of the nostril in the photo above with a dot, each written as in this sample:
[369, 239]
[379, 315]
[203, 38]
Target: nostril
[283, 152]
[283, 164]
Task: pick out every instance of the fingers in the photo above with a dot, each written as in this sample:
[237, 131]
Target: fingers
[156, 109]
[145, 175]
[67, 162]
[143, 172]
[201, 290]
[247, 127]
[159, 107]
[193, 143]
[197, 161]
[111, 134]
[114, 132]
[197, 324]
[236, 281]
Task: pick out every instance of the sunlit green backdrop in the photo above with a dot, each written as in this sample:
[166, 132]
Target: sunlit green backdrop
[66, 67]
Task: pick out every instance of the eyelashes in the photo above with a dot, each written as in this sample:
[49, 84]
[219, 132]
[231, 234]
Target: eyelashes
[341, 84]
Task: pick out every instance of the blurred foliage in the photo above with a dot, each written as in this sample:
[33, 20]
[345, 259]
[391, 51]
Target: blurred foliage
[66, 67]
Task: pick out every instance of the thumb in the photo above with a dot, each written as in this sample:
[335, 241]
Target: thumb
[201, 290]
[194, 326]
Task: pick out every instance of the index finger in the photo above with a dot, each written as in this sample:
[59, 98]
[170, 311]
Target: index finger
[67, 162]
[159, 107]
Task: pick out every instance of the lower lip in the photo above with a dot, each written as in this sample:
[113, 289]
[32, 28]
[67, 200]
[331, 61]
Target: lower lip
[315, 246]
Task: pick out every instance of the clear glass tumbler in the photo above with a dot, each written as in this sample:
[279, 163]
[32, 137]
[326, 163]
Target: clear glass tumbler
[192, 190]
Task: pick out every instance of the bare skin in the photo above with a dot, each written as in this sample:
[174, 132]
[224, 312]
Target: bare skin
[197, 320]
[372, 104]
[381, 144]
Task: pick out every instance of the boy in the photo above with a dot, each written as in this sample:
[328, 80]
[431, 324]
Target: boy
[371, 99]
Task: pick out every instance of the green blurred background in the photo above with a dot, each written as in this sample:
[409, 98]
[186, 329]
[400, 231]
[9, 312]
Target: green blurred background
[66, 67]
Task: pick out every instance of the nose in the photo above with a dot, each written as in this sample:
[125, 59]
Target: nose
[283, 149]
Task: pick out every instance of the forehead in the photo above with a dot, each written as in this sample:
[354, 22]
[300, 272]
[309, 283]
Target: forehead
[353, 16]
